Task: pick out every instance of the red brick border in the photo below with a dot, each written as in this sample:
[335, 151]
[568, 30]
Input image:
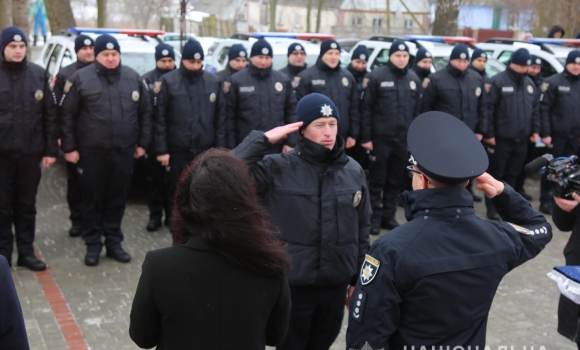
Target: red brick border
[64, 317]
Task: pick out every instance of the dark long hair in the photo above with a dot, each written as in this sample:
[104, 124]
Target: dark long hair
[216, 198]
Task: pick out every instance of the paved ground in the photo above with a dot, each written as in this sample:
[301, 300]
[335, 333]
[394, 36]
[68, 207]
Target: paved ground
[523, 313]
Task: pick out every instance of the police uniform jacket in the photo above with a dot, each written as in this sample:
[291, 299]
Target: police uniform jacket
[152, 77]
[63, 75]
[259, 99]
[28, 124]
[483, 73]
[105, 111]
[431, 282]
[359, 79]
[12, 330]
[192, 297]
[292, 71]
[560, 106]
[226, 73]
[390, 103]
[513, 107]
[338, 85]
[190, 114]
[458, 93]
[319, 201]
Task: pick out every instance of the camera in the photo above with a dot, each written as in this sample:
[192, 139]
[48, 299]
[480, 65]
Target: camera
[562, 173]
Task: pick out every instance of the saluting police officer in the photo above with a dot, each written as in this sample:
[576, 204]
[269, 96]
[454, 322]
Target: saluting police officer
[296, 60]
[328, 78]
[259, 98]
[534, 71]
[559, 106]
[514, 118]
[85, 50]
[390, 103]
[237, 61]
[421, 283]
[28, 141]
[458, 91]
[155, 172]
[422, 66]
[189, 116]
[318, 198]
[106, 122]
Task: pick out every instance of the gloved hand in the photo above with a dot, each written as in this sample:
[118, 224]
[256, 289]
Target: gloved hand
[563, 286]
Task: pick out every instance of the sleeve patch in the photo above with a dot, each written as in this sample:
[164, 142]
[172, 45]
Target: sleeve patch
[426, 82]
[545, 86]
[531, 231]
[67, 86]
[357, 304]
[369, 269]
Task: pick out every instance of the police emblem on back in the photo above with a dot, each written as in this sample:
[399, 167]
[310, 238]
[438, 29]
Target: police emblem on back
[369, 269]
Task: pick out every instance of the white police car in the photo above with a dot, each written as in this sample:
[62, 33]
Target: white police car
[279, 41]
[137, 48]
[440, 48]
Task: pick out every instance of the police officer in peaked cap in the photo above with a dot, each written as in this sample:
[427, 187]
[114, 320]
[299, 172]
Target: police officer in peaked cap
[419, 283]
[155, 172]
[85, 50]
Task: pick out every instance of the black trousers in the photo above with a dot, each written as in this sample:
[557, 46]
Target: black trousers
[520, 181]
[315, 318]
[105, 179]
[386, 176]
[19, 179]
[507, 161]
[561, 147]
[73, 194]
[156, 189]
[360, 154]
[177, 163]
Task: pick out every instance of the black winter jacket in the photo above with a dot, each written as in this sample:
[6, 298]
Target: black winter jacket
[153, 81]
[226, 73]
[338, 85]
[28, 124]
[460, 94]
[319, 201]
[105, 111]
[293, 71]
[560, 106]
[63, 75]
[513, 107]
[259, 99]
[390, 103]
[190, 114]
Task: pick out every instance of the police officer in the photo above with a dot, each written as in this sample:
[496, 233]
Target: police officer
[513, 111]
[260, 98]
[85, 50]
[318, 198]
[421, 282]
[534, 71]
[458, 91]
[358, 69]
[28, 140]
[478, 63]
[559, 106]
[190, 115]
[296, 60]
[422, 65]
[155, 172]
[106, 122]
[237, 61]
[391, 101]
[328, 78]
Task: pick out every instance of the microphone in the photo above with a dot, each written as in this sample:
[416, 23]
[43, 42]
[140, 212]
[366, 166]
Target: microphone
[535, 165]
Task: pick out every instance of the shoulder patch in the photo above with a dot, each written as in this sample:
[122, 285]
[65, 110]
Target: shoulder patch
[487, 87]
[67, 86]
[545, 86]
[365, 83]
[157, 87]
[521, 229]
[227, 86]
[296, 82]
[369, 269]
[426, 82]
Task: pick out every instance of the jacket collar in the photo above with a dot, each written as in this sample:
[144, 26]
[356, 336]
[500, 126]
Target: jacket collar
[259, 72]
[315, 153]
[295, 70]
[80, 65]
[422, 73]
[480, 72]
[570, 76]
[515, 76]
[455, 201]
[323, 66]
[197, 243]
[357, 74]
[396, 70]
[454, 71]
[193, 76]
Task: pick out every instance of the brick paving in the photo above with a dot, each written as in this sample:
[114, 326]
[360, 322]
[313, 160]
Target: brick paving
[523, 315]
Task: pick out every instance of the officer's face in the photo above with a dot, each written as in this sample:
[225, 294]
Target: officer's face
[166, 63]
[331, 58]
[534, 70]
[573, 68]
[297, 58]
[425, 63]
[110, 59]
[479, 63]
[519, 69]
[557, 35]
[15, 51]
[239, 63]
[261, 61]
[460, 64]
[192, 65]
[86, 54]
[359, 64]
[400, 59]
[322, 131]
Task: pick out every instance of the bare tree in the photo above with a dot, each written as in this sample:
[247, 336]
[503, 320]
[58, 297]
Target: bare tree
[446, 17]
[101, 13]
[273, 15]
[20, 15]
[59, 14]
[319, 15]
[143, 11]
[308, 11]
[5, 13]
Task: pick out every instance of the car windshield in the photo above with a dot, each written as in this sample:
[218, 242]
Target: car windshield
[493, 67]
[440, 62]
[562, 60]
[142, 62]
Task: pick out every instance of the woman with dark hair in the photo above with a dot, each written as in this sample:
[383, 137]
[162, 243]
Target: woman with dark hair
[556, 32]
[223, 286]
